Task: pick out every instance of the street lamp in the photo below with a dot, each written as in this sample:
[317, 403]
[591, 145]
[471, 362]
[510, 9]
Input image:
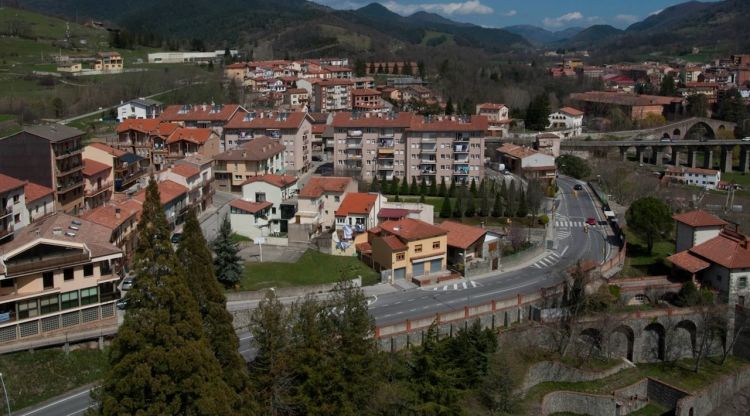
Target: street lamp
[7, 402]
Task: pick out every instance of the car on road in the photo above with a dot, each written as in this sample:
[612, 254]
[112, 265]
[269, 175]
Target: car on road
[127, 283]
[591, 221]
[122, 304]
[176, 237]
[666, 140]
[745, 139]
[578, 187]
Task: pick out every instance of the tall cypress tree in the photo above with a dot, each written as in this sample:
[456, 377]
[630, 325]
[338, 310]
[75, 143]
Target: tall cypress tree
[473, 187]
[394, 185]
[446, 210]
[497, 207]
[523, 209]
[484, 206]
[423, 186]
[470, 206]
[443, 191]
[161, 361]
[510, 201]
[404, 190]
[227, 263]
[433, 188]
[414, 188]
[458, 209]
[195, 256]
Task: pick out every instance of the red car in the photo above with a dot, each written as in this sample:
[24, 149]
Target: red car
[591, 221]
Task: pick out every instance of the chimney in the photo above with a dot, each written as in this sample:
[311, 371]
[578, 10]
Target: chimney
[244, 154]
[117, 212]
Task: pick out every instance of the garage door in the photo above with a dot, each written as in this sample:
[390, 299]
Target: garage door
[418, 269]
[436, 265]
[399, 273]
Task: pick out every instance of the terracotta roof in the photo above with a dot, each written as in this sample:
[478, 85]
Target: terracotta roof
[186, 170]
[516, 151]
[462, 235]
[259, 148]
[56, 227]
[137, 124]
[699, 218]
[92, 167]
[349, 120]
[318, 128]
[279, 181]
[334, 81]
[251, 207]
[196, 159]
[547, 136]
[449, 123]
[393, 213]
[266, 120]
[622, 99]
[687, 261]
[168, 192]
[197, 136]
[318, 185]
[366, 91]
[491, 106]
[8, 183]
[728, 249]
[164, 129]
[394, 243]
[318, 118]
[200, 112]
[410, 229]
[364, 247]
[112, 151]
[571, 111]
[356, 203]
[296, 91]
[35, 191]
[107, 215]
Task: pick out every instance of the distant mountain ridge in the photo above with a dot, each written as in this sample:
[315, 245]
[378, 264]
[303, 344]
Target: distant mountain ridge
[541, 36]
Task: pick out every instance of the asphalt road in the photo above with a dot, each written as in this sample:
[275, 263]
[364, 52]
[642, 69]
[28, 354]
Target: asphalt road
[574, 244]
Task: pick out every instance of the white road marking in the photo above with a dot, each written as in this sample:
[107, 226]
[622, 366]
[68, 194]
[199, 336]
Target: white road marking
[564, 251]
[56, 402]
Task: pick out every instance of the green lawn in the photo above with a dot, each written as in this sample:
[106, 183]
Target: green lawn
[736, 177]
[34, 377]
[236, 238]
[313, 268]
[640, 263]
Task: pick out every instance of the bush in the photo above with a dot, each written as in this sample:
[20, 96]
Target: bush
[544, 219]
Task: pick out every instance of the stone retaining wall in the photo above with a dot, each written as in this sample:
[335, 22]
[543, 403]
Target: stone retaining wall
[556, 371]
[711, 397]
[286, 292]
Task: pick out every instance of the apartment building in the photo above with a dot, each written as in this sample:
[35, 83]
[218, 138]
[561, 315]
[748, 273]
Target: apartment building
[293, 130]
[128, 168]
[205, 181]
[259, 156]
[99, 185]
[567, 119]
[56, 275]
[366, 99]
[49, 155]
[497, 117]
[13, 213]
[331, 95]
[174, 200]
[207, 116]
[139, 108]
[184, 142]
[405, 145]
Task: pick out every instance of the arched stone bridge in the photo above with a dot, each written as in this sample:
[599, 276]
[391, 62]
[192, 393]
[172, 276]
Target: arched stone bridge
[679, 130]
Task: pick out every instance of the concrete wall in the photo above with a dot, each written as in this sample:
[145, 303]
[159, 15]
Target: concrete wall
[710, 398]
[559, 372]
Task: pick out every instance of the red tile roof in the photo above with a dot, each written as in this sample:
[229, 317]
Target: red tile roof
[279, 181]
[449, 123]
[491, 106]
[516, 151]
[410, 229]
[356, 203]
[112, 151]
[259, 148]
[687, 261]
[197, 136]
[141, 125]
[333, 82]
[349, 120]
[107, 215]
[365, 91]
[394, 243]
[318, 185]
[462, 235]
[9, 183]
[186, 170]
[699, 218]
[168, 192]
[200, 112]
[266, 120]
[35, 191]
[393, 213]
[251, 207]
[92, 167]
[571, 111]
[728, 249]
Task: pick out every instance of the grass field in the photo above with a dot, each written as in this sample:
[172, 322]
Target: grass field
[312, 268]
[639, 263]
[38, 376]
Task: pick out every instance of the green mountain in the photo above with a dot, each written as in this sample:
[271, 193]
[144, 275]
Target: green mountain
[540, 36]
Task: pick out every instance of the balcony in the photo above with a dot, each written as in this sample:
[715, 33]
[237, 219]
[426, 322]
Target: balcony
[385, 166]
[388, 144]
[6, 232]
[461, 159]
[107, 186]
[386, 135]
[428, 150]
[61, 189]
[462, 137]
[460, 148]
[354, 133]
[68, 152]
[428, 160]
[38, 265]
[68, 170]
[5, 211]
[461, 172]
[428, 140]
[427, 172]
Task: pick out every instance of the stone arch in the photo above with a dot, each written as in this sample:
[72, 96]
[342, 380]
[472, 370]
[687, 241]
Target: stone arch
[665, 136]
[621, 341]
[683, 339]
[722, 127]
[592, 338]
[676, 133]
[653, 345]
[694, 133]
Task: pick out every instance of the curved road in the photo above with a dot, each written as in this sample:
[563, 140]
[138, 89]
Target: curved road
[573, 208]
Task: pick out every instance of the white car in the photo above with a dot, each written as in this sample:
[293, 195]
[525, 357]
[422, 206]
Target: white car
[746, 139]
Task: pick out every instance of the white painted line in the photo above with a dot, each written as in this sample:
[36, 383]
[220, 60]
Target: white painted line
[435, 289]
[473, 284]
[78, 412]
[445, 288]
[455, 286]
[463, 284]
[56, 402]
[544, 262]
[564, 251]
[555, 255]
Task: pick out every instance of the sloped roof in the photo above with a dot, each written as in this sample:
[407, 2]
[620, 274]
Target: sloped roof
[168, 192]
[728, 249]
[8, 183]
[571, 111]
[200, 112]
[35, 191]
[345, 119]
[462, 235]
[109, 149]
[318, 185]
[53, 132]
[92, 167]
[186, 170]
[699, 218]
[197, 136]
[251, 207]
[687, 261]
[356, 203]
[279, 181]
[137, 124]
[107, 215]
[266, 120]
[449, 123]
[394, 243]
[393, 213]
[410, 229]
[259, 148]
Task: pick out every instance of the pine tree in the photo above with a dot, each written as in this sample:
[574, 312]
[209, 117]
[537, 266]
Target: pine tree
[458, 209]
[484, 206]
[395, 70]
[523, 209]
[422, 199]
[372, 68]
[160, 360]
[433, 188]
[397, 198]
[510, 201]
[414, 188]
[473, 187]
[406, 68]
[446, 210]
[375, 185]
[449, 106]
[452, 189]
[497, 207]
[443, 191]
[470, 206]
[227, 263]
[423, 186]
[394, 185]
[404, 189]
[195, 256]
[380, 68]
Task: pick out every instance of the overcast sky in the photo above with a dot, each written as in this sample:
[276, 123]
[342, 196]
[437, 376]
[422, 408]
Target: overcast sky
[550, 14]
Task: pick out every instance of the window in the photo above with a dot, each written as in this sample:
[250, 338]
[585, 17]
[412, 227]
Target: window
[27, 309]
[68, 274]
[16, 199]
[336, 198]
[69, 300]
[418, 248]
[260, 197]
[89, 296]
[435, 245]
[743, 283]
[49, 304]
[88, 270]
[105, 268]
[48, 280]
[6, 283]
[17, 218]
[400, 256]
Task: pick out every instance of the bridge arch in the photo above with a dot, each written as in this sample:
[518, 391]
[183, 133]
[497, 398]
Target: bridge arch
[592, 337]
[621, 341]
[676, 134]
[683, 339]
[653, 342]
[699, 130]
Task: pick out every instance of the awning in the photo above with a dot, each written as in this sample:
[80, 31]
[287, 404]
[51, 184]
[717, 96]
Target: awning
[422, 260]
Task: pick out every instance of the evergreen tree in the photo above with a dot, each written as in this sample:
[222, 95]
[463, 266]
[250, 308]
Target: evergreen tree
[510, 200]
[484, 206]
[227, 263]
[397, 198]
[497, 207]
[195, 257]
[406, 68]
[360, 68]
[458, 209]
[404, 189]
[227, 56]
[446, 210]
[523, 209]
[470, 206]
[423, 186]
[473, 187]
[422, 199]
[414, 188]
[433, 188]
[372, 68]
[537, 113]
[394, 185]
[443, 191]
[375, 185]
[210, 66]
[667, 88]
[395, 70]
[421, 69]
[160, 360]
[452, 189]
[449, 106]
[380, 68]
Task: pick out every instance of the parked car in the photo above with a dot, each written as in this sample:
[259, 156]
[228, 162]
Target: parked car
[745, 139]
[666, 140]
[176, 237]
[578, 187]
[591, 221]
[122, 304]
[127, 283]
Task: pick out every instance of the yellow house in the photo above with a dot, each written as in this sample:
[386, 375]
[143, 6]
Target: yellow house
[411, 248]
